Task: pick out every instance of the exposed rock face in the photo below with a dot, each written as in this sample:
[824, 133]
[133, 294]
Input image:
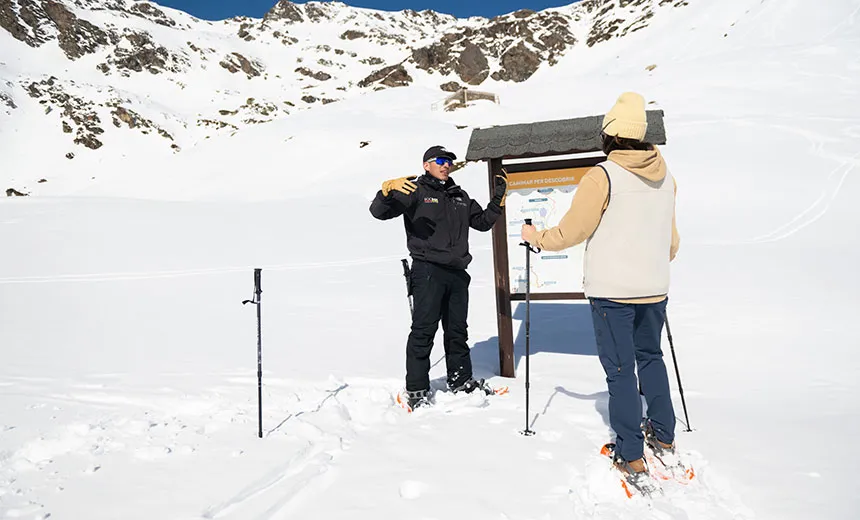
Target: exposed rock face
[129, 117]
[26, 25]
[285, 11]
[136, 52]
[76, 112]
[393, 76]
[352, 35]
[236, 62]
[472, 66]
[255, 112]
[6, 100]
[518, 64]
[319, 76]
[150, 12]
[76, 37]
[541, 36]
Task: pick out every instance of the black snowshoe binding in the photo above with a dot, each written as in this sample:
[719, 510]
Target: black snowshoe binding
[473, 384]
[418, 398]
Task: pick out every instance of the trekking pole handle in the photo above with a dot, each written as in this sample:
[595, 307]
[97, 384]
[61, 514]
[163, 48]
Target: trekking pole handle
[257, 289]
[528, 222]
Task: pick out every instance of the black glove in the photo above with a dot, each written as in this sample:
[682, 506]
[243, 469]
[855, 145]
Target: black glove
[500, 188]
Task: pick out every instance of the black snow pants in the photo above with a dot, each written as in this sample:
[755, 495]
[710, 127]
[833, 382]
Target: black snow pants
[438, 293]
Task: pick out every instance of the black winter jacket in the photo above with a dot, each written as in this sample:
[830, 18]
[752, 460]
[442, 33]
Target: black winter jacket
[437, 217]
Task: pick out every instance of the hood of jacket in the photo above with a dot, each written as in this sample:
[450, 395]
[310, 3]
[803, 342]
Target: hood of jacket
[648, 164]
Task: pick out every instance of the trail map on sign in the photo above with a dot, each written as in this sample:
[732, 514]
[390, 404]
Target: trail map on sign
[543, 197]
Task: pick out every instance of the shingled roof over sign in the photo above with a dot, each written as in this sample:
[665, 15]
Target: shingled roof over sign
[564, 136]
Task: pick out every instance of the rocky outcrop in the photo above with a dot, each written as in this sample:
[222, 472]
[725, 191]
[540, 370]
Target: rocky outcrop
[75, 111]
[7, 101]
[76, 37]
[216, 124]
[150, 12]
[319, 76]
[130, 118]
[244, 34]
[472, 66]
[136, 52]
[26, 26]
[316, 11]
[515, 40]
[608, 22]
[352, 35]
[234, 62]
[254, 111]
[285, 11]
[517, 64]
[393, 76]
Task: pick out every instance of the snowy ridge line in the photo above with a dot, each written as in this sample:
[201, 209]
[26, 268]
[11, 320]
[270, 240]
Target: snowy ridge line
[152, 275]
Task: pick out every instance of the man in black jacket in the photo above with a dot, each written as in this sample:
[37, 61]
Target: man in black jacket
[437, 215]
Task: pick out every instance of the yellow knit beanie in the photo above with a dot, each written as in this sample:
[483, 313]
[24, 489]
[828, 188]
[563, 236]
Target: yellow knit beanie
[627, 118]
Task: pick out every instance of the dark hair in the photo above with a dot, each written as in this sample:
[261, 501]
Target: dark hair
[612, 143]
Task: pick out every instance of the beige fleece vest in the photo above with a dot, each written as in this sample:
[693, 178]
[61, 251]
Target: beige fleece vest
[628, 255]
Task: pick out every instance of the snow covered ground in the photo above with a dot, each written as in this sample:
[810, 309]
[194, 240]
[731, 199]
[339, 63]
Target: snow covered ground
[128, 374]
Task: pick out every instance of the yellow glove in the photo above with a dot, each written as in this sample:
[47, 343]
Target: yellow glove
[402, 184]
[500, 188]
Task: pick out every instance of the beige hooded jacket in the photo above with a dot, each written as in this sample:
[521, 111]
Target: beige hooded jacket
[591, 199]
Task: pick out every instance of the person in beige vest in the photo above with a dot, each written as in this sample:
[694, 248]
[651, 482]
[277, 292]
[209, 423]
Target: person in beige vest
[625, 209]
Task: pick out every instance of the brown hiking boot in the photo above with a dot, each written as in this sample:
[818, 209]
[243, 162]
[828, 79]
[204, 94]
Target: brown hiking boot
[659, 447]
[667, 447]
[633, 466]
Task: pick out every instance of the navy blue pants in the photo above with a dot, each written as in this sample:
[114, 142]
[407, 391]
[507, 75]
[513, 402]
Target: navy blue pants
[628, 340]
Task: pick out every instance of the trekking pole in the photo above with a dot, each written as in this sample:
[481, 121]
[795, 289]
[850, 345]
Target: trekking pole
[408, 285]
[529, 250]
[677, 373]
[258, 291]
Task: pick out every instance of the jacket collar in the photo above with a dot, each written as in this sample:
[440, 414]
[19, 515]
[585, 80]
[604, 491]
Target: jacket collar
[435, 184]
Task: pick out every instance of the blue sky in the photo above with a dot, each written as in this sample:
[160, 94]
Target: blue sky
[220, 9]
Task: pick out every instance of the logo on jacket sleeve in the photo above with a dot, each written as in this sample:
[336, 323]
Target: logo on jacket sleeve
[431, 200]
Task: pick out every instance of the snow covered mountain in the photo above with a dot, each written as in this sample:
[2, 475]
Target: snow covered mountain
[95, 70]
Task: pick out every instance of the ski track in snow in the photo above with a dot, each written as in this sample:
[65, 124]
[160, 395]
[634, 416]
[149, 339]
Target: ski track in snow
[324, 419]
[831, 185]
